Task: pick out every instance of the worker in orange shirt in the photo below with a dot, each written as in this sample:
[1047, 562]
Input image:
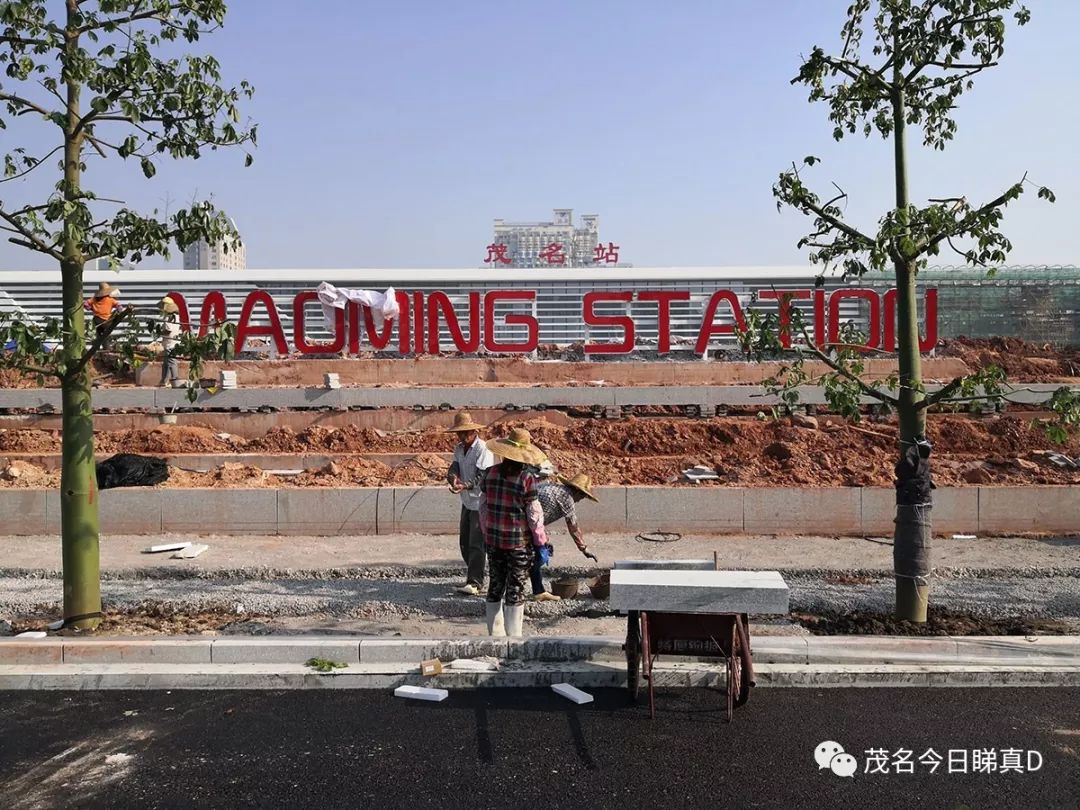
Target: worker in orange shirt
[103, 305]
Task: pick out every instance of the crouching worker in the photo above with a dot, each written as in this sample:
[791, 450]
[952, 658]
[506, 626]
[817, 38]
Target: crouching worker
[512, 521]
[557, 498]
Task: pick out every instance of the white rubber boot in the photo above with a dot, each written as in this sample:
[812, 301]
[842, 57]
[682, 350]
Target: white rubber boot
[515, 615]
[495, 624]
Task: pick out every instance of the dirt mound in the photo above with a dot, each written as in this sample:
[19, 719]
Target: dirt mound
[938, 623]
[744, 452]
[1022, 361]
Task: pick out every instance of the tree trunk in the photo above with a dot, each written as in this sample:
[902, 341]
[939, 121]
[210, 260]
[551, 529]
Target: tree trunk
[78, 477]
[911, 537]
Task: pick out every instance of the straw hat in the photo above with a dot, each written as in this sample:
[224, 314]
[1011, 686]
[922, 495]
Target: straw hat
[582, 483]
[518, 446]
[463, 422]
[168, 305]
[106, 290]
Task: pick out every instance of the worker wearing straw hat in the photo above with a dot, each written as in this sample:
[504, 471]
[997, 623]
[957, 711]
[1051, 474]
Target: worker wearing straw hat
[103, 303]
[513, 525]
[170, 332]
[558, 497]
[471, 460]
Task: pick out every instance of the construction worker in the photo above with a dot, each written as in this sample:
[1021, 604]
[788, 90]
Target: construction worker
[103, 304]
[471, 460]
[513, 525]
[558, 495]
[170, 332]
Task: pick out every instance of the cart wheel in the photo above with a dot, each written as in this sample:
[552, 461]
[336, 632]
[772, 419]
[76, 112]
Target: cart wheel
[633, 655]
[742, 664]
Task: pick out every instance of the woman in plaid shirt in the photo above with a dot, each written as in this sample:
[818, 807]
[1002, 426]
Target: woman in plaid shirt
[512, 521]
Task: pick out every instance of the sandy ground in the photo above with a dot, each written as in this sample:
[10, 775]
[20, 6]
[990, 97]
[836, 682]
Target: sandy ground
[404, 585]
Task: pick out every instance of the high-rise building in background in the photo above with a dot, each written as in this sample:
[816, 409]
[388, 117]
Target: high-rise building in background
[529, 243]
[203, 256]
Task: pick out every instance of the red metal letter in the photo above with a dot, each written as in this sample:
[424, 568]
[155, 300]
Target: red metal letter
[213, 313]
[418, 318]
[930, 321]
[273, 330]
[491, 300]
[663, 315]
[873, 339]
[708, 328]
[441, 301]
[299, 339]
[819, 318]
[181, 304]
[784, 297]
[623, 321]
[378, 340]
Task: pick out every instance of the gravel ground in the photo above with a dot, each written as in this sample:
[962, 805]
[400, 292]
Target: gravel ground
[428, 606]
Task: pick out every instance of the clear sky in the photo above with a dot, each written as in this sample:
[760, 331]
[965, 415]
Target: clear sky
[392, 133]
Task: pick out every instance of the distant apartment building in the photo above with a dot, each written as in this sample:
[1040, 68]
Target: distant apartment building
[203, 256]
[529, 244]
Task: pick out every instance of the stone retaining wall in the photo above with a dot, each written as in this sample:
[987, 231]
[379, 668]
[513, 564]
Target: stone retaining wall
[711, 510]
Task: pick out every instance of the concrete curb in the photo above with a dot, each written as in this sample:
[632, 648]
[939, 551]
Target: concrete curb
[713, 510]
[377, 663]
[586, 675]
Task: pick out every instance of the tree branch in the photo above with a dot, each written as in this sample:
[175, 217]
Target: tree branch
[25, 102]
[31, 168]
[843, 372]
[103, 334]
[35, 242]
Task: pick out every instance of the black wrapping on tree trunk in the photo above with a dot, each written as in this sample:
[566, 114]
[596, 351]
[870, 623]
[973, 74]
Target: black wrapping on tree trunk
[911, 549]
[129, 470]
[913, 483]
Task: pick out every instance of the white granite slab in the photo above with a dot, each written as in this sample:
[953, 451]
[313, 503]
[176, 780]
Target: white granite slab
[690, 591]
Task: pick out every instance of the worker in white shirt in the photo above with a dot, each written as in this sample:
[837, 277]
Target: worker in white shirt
[471, 460]
[170, 334]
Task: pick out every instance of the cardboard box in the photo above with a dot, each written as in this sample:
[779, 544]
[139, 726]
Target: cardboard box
[432, 666]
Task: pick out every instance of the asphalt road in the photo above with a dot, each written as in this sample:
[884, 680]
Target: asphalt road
[529, 748]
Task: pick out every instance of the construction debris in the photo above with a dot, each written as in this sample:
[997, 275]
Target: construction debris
[165, 547]
[485, 664]
[700, 473]
[421, 693]
[432, 666]
[32, 634]
[55, 625]
[964, 537]
[572, 693]
[191, 551]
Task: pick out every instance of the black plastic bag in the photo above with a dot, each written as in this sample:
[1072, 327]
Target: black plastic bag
[129, 470]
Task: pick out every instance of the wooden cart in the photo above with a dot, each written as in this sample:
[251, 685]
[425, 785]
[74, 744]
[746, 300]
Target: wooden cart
[684, 611]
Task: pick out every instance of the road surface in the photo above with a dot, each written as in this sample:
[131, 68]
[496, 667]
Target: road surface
[532, 749]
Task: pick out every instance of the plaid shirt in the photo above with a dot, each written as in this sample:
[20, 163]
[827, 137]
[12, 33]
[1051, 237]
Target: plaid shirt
[504, 503]
[557, 502]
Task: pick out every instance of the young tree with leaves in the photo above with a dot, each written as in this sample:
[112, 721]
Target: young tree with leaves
[96, 79]
[903, 65]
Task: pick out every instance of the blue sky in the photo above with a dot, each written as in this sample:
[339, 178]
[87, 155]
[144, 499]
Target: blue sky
[392, 133]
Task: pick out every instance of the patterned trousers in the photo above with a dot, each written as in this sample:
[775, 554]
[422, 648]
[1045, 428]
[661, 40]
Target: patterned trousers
[508, 570]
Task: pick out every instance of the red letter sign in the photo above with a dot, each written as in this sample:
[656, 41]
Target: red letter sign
[300, 340]
[708, 328]
[929, 321]
[623, 321]
[873, 321]
[213, 312]
[784, 297]
[663, 315]
[246, 329]
[491, 300]
[441, 301]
